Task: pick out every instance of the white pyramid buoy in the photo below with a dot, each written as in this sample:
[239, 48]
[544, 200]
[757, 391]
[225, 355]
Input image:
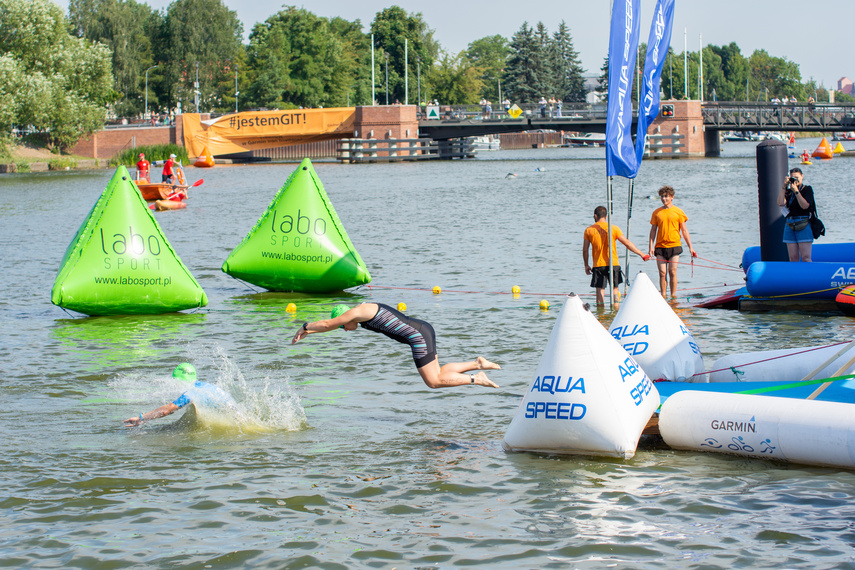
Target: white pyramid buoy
[647, 327]
[588, 397]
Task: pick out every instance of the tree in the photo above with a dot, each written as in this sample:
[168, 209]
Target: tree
[300, 59]
[521, 72]
[456, 81]
[603, 80]
[58, 84]
[489, 54]
[123, 26]
[203, 36]
[569, 83]
[390, 28]
[545, 62]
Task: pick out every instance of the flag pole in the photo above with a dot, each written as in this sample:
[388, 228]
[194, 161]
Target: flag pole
[626, 282]
[609, 271]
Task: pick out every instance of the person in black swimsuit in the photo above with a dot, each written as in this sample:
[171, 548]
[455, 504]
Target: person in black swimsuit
[414, 332]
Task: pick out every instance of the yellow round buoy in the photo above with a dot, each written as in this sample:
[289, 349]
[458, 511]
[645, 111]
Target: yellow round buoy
[402, 307]
[544, 305]
[437, 290]
[515, 289]
[291, 308]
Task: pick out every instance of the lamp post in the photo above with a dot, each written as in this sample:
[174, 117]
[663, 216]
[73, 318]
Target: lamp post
[419, 79]
[146, 89]
[196, 88]
[387, 76]
[236, 89]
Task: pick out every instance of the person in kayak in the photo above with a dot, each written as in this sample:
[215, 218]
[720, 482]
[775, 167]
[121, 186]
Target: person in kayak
[418, 334]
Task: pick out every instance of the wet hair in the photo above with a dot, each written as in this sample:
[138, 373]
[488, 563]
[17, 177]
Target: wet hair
[600, 212]
[666, 191]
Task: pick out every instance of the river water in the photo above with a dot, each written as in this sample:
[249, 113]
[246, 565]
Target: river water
[349, 460]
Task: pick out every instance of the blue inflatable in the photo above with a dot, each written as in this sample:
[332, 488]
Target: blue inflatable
[797, 280]
[844, 252]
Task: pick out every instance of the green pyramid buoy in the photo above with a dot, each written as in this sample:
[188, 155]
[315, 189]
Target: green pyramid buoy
[299, 244]
[120, 263]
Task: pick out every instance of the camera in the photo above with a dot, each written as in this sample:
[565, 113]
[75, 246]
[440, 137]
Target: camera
[792, 180]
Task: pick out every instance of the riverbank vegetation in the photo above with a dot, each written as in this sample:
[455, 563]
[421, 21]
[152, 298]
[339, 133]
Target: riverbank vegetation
[65, 74]
[155, 152]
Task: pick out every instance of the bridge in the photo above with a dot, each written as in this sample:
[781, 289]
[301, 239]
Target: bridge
[716, 116]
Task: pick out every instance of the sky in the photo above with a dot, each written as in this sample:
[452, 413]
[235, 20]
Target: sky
[795, 30]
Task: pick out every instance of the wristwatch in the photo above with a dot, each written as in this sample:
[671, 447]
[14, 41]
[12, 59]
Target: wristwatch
[306, 327]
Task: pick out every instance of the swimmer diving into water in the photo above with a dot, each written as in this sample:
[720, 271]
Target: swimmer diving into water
[418, 334]
[199, 392]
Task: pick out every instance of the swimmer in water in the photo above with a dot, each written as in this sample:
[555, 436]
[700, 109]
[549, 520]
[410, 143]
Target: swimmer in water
[418, 334]
[202, 393]
[510, 175]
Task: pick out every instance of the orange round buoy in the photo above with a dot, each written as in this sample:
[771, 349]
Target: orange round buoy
[204, 160]
[845, 300]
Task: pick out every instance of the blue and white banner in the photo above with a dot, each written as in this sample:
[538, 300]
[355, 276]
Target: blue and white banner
[623, 47]
[657, 49]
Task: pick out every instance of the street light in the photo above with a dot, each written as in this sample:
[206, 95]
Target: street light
[146, 89]
[236, 89]
[196, 88]
[419, 79]
[386, 53]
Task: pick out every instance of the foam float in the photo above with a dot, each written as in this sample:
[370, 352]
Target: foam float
[840, 389]
[839, 148]
[588, 397]
[649, 330]
[204, 160]
[120, 262]
[763, 427]
[299, 243]
[823, 150]
[784, 365]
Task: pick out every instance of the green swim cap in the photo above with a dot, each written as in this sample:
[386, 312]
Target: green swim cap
[339, 310]
[184, 372]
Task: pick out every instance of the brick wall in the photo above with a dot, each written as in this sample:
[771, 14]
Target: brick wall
[107, 143]
[687, 120]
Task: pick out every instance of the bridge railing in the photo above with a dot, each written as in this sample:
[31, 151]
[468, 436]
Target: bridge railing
[529, 111]
[778, 116]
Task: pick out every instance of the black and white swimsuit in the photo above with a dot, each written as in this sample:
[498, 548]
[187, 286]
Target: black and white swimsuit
[397, 326]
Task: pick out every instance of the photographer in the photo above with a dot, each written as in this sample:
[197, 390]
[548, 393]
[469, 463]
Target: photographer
[796, 201]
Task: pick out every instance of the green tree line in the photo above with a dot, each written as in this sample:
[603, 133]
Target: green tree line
[65, 74]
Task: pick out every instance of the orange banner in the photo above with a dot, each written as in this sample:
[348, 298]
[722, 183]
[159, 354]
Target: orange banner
[243, 132]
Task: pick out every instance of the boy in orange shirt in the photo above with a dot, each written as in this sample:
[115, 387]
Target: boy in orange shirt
[667, 223]
[596, 236]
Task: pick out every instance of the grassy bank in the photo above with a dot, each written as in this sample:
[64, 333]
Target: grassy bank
[152, 153]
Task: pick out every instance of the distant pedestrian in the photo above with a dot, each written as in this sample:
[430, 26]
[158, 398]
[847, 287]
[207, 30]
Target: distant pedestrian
[488, 110]
[506, 104]
[542, 107]
[558, 104]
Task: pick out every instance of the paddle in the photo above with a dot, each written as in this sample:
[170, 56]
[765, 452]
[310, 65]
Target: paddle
[825, 385]
[198, 182]
[837, 355]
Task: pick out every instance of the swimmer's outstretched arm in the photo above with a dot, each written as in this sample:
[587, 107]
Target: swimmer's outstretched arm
[164, 410]
[348, 320]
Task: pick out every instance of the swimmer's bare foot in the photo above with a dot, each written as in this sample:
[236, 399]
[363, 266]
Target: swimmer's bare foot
[484, 364]
[482, 380]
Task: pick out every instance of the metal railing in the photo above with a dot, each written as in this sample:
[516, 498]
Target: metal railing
[738, 116]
